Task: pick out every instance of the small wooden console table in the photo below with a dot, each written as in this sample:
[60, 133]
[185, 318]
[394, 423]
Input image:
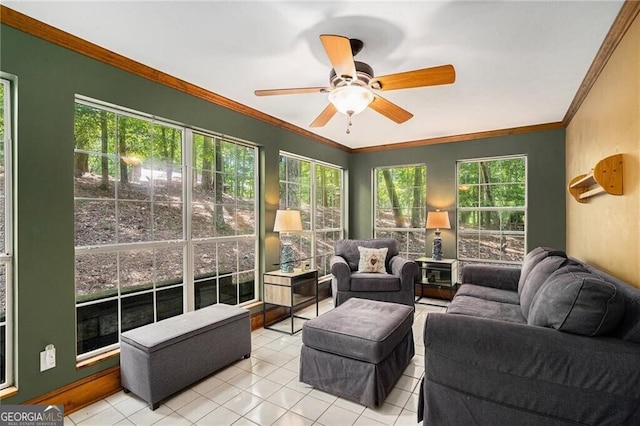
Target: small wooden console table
[289, 290]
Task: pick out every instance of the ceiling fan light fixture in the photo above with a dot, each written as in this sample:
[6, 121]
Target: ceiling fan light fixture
[351, 99]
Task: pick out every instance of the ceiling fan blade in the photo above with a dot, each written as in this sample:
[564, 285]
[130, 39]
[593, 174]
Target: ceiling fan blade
[324, 116]
[338, 50]
[292, 91]
[444, 74]
[390, 110]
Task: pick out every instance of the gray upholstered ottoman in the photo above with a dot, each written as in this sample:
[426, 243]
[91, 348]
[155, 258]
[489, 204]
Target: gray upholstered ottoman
[159, 359]
[358, 350]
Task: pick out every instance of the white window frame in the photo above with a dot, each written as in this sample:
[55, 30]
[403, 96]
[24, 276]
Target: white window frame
[312, 232]
[495, 209]
[187, 242]
[6, 257]
[404, 251]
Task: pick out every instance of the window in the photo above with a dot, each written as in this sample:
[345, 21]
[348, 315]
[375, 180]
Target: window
[492, 207]
[223, 220]
[316, 190]
[6, 240]
[163, 222]
[400, 207]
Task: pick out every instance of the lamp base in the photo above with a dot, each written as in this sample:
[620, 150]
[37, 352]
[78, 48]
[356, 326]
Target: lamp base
[286, 257]
[436, 250]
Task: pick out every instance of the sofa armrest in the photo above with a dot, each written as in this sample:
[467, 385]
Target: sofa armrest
[589, 380]
[503, 277]
[341, 272]
[406, 269]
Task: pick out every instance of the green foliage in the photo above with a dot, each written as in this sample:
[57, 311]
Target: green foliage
[87, 128]
[496, 183]
[117, 142]
[124, 139]
[295, 184]
[401, 196]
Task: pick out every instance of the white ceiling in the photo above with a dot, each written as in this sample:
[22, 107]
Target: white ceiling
[517, 63]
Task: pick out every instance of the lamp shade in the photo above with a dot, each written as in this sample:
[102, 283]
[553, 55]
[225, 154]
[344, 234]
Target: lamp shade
[438, 220]
[287, 221]
[351, 99]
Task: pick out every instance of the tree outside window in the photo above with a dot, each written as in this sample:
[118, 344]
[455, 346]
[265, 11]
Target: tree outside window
[400, 207]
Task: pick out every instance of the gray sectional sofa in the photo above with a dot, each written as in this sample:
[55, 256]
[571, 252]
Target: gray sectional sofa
[555, 342]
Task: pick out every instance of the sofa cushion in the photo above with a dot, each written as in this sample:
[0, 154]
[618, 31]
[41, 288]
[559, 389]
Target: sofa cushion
[364, 281]
[532, 259]
[496, 276]
[472, 306]
[576, 301]
[488, 293]
[536, 277]
[629, 327]
[372, 260]
[348, 249]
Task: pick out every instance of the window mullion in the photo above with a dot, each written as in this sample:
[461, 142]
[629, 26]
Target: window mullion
[6, 257]
[187, 197]
[313, 207]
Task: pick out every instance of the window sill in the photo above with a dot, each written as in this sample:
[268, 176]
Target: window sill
[326, 278]
[97, 359]
[8, 392]
[253, 305]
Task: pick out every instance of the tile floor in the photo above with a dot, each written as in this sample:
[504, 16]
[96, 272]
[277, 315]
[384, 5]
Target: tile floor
[264, 390]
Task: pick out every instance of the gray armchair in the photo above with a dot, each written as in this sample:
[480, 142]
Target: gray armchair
[395, 286]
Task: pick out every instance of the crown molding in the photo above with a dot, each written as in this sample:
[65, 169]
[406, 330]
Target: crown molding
[463, 137]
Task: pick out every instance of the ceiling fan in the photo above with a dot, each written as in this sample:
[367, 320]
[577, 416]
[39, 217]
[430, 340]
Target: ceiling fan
[353, 86]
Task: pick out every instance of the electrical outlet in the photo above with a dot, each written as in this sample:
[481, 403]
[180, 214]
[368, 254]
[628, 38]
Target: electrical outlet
[48, 358]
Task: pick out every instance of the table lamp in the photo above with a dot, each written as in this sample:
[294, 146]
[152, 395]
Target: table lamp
[437, 220]
[287, 221]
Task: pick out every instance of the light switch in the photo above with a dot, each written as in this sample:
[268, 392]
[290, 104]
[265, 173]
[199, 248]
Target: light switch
[48, 358]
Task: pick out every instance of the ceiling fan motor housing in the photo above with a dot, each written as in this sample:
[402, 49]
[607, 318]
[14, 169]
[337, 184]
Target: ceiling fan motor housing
[364, 74]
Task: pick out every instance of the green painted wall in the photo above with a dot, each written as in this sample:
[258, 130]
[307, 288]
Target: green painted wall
[546, 182]
[48, 79]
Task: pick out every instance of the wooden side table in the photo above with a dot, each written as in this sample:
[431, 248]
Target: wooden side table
[440, 274]
[289, 290]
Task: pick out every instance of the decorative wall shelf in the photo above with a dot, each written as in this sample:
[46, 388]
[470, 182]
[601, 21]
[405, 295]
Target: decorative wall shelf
[606, 177]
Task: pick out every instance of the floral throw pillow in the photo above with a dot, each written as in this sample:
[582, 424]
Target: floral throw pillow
[372, 260]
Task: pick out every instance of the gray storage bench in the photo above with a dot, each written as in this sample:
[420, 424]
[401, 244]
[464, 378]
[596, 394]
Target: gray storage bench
[358, 350]
[159, 359]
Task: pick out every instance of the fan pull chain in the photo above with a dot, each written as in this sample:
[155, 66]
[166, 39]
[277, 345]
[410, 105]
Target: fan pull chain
[349, 114]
